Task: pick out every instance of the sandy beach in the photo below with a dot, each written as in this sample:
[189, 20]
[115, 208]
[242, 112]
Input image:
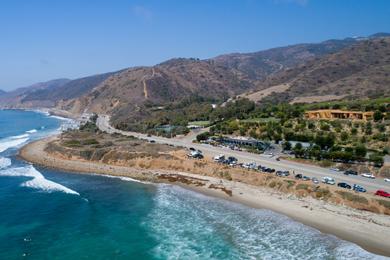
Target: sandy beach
[368, 230]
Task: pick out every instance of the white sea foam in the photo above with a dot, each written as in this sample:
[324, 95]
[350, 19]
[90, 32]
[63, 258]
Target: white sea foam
[32, 131]
[194, 226]
[122, 178]
[61, 118]
[4, 162]
[11, 142]
[38, 181]
[19, 136]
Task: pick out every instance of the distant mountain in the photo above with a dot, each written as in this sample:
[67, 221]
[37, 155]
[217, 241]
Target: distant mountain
[358, 71]
[13, 99]
[356, 66]
[70, 89]
[2, 92]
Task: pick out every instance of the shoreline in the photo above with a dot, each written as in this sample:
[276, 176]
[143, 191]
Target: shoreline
[368, 230]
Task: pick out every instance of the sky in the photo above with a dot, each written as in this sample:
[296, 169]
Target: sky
[42, 40]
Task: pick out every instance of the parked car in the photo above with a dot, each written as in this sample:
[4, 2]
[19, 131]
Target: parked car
[219, 158]
[350, 172]
[344, 185]
[358, 188]
[382, 193]
[315, 180]
[387, 180]
[368, 175]
[282, 173]
[328, 180]
[298, 176]
[196, 154]
[232, 159]
[306, 178]
[335, 169]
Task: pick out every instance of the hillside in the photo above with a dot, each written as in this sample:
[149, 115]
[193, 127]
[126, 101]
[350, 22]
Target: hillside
[136, 93]
[259, 65]
[248, 68]
[361, 70]
[71, 89]
[14, 99]
[142, 97]
[132, 94]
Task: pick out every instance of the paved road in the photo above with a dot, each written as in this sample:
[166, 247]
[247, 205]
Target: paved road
[208, 150]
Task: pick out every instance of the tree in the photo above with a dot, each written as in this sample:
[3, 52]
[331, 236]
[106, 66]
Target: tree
[287, 146]
[324, 141]
[360, 150]
[344, 136]
[298, 150]
[378, 115]
[203, 136]
[368, 128]
[377, 159]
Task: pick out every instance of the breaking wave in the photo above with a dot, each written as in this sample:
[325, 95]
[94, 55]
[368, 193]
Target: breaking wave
[19, 136]
[11, 142]
[38, 181]
[123, 178]
[4, 162]
[187, 225]
[32, 131]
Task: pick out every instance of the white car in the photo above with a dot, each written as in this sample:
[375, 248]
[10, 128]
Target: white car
[368, 175]
[387, 180]
[335, 169]
[219, 157]
[328, 180]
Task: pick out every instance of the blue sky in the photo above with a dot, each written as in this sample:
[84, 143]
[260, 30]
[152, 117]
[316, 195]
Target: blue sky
[47, 39]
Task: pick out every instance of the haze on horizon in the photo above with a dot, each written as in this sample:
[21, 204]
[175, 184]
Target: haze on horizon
[44, 40]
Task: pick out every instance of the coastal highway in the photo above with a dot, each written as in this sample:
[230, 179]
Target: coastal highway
[208, 150]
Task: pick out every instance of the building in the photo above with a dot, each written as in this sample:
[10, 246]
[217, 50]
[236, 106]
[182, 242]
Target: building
[249, 142]
[338, 114]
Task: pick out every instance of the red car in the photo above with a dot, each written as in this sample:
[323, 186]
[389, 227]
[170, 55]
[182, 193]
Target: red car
[382, 193]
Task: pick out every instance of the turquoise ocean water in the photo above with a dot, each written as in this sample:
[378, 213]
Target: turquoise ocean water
[47, 214]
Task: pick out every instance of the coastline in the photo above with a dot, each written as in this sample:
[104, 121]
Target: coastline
[368, 230]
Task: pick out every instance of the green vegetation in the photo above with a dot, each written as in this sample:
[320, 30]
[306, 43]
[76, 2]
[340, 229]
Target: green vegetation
[72, 143]
[290, 183]
[203, 136]
[302, 186]
[200, 123]
[330, 140]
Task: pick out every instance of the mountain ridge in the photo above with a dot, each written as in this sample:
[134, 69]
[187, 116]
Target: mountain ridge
[136, 93]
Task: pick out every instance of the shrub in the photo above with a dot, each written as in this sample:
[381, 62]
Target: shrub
[72, 143]
[385, 203]
[90, 141]
[290, 183]
[203, 136]
[302, 186]
[352, 197]
[323, 193]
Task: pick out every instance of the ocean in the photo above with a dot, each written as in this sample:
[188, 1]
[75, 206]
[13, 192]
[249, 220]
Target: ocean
[48, 214]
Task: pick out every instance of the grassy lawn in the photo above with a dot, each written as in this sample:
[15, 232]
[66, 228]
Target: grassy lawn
[200, 123]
